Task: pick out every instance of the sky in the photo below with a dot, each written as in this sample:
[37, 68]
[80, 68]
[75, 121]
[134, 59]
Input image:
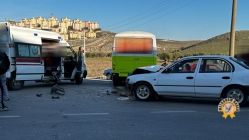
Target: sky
[166, 19]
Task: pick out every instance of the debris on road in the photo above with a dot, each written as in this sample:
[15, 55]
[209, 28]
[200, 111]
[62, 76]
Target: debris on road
[107, 92]
[55, 97]
[38, 95]
[57, 90]
[123, 98]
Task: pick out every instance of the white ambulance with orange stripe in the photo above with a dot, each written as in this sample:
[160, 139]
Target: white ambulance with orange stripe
[31, 60]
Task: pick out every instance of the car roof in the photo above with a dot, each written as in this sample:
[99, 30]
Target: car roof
[207, 56]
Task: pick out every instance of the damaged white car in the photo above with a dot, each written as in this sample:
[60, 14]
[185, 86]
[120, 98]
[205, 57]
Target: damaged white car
[194, 76]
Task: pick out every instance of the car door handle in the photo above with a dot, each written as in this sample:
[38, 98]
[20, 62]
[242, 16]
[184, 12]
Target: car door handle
[189, 77]
[225, 77]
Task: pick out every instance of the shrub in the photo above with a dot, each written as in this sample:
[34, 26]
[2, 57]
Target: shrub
[165, 56]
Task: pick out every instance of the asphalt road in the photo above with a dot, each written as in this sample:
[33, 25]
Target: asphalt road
[89, 112]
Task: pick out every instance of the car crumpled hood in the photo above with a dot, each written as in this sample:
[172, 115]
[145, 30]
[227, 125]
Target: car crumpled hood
[144, 76]
[147, 70]
[152, 68]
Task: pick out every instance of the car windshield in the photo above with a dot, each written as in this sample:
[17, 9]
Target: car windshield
[239, 62]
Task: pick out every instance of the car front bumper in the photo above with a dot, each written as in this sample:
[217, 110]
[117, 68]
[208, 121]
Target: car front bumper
[129, 86]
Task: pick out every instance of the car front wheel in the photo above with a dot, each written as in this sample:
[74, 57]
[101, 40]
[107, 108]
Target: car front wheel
[237, 93]
[143, 92]
[109, 76]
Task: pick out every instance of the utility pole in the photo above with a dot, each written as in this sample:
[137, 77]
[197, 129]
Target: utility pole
[84, 45]
[232, 31]
[84, 34]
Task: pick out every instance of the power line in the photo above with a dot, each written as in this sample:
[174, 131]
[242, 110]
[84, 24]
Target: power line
[161, 15]
[148, 10]
[150, 14]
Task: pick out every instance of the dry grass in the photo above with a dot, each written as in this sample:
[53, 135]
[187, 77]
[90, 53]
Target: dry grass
[96, 66]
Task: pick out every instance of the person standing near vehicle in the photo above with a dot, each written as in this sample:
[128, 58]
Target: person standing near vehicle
[5, 89]
[165, 63]
[4, 66]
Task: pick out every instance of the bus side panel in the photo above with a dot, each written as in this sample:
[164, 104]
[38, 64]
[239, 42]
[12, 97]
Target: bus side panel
[146, 59]
[123, 65]
[141, 61]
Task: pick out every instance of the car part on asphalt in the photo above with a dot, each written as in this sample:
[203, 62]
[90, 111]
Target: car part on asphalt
[38, 95]
[57, 90]
[55, 97]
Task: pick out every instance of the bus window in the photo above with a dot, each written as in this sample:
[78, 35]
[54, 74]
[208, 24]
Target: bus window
[134, 45]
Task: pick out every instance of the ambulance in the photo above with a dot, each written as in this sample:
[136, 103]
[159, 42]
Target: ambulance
[31, 53]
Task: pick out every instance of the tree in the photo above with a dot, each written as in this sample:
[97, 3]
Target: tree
[176, 55]
[88, 54]
[109, 55]
[165, 56]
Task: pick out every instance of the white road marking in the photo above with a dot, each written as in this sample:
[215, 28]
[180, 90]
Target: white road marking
[244, 110]
[186, 111]
[9, 116]
[85, 114]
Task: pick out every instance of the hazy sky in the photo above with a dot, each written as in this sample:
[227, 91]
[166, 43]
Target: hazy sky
[167, 19]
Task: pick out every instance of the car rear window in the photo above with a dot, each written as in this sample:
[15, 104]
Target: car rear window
[241, 63]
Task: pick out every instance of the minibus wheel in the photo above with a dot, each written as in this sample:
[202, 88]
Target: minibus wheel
[14, 85]
[115, 83]
[78, 80]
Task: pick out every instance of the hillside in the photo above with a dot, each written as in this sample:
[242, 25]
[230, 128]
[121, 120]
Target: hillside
[216, 45]
[171, 45]
[104, 43]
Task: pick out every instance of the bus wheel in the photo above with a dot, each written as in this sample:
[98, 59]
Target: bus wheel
[14, 85]
[115, 83]
[78, 80]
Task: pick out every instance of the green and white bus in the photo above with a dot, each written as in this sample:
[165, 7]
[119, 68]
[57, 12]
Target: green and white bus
[132, 49]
